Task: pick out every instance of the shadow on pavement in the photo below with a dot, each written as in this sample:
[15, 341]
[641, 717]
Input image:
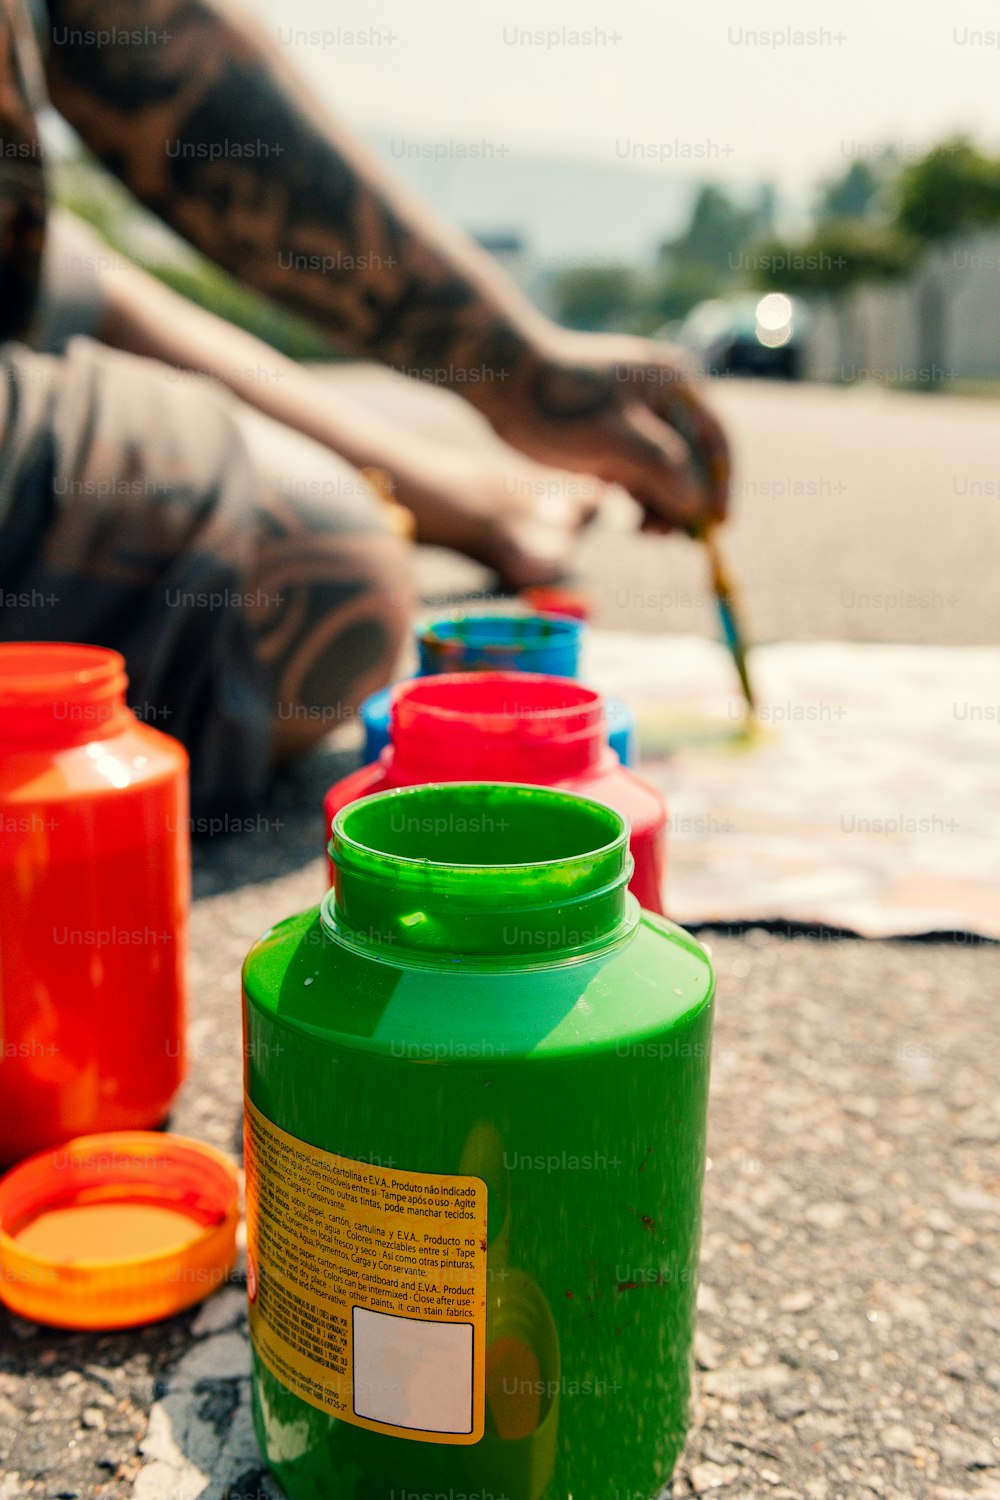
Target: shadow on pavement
[279, 835]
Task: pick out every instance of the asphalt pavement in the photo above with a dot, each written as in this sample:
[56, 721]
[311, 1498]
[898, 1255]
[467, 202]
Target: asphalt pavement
[850, 1300]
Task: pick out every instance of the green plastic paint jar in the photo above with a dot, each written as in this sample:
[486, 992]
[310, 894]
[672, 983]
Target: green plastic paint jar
[476, 1091]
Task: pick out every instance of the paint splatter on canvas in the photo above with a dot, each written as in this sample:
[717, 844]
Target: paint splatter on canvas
[867, 798]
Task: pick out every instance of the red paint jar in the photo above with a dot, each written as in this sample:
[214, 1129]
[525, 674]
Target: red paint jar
[514, 726]
[94, 894]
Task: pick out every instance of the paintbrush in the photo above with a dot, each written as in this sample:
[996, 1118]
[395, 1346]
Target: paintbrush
[712, 470]
[729, 610]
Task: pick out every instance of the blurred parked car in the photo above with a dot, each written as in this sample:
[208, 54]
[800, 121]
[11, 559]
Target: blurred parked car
[747, 335]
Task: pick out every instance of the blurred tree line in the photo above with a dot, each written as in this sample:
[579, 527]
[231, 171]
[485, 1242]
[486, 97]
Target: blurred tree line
[872, 223]
[701, 262]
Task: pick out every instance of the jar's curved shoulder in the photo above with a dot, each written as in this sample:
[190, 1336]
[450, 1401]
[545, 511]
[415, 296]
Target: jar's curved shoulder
[136, 757]
[298, 979]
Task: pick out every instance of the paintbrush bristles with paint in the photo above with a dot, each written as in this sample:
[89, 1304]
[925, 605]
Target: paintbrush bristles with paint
[729, 613]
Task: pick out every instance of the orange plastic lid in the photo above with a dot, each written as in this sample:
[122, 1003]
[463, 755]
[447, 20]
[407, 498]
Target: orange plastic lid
[113, 1230]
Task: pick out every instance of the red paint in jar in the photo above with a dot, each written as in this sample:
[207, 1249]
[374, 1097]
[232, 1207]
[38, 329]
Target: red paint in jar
[94, 893]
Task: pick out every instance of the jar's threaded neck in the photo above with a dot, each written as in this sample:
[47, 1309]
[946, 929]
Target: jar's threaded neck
[56, 692]
[501, 642]
[504, 726]
[466, 869]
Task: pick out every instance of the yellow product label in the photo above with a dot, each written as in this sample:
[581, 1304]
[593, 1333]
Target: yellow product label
[367, 1286]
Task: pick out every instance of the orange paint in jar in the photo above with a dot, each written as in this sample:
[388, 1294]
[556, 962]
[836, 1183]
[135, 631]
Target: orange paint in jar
[94, 892]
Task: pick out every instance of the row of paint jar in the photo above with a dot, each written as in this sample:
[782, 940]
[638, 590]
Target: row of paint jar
[95, 848]
[475, 1076]
[94, 862]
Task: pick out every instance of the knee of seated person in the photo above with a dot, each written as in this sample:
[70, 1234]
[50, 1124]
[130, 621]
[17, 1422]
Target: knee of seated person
[341, 617]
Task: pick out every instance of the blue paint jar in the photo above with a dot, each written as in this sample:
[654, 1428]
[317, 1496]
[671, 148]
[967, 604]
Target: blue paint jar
[546, 643]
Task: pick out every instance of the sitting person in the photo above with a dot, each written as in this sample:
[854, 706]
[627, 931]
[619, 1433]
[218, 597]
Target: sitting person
[221, 532]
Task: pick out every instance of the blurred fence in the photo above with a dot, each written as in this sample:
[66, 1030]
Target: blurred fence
[941, 324]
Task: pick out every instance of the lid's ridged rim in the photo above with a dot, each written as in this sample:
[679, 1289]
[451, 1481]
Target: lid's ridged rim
[64, 1291]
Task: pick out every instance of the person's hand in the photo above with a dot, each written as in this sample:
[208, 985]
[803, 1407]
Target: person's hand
[518, 517]
[625, 410]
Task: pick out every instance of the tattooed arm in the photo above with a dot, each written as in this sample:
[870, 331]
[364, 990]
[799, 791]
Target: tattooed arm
[481, 499]
[195, 110]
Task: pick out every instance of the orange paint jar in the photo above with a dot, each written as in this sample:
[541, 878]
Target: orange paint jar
[94, 894]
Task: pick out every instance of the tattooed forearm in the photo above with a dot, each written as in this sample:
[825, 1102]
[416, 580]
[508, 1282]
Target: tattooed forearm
[200, 117]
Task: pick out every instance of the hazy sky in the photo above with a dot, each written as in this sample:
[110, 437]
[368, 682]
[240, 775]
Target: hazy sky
[696, 83]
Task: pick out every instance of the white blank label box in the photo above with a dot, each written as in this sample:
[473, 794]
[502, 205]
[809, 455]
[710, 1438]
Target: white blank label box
[411, 1373]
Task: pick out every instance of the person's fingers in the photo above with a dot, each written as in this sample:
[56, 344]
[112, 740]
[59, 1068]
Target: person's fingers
[533, 551]
[569, 499]
[649, 433]
[655, 525]
[682, 407]
[592, 493]
[650, 460]
[668, 389]
[535, 538]
[523, 567]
